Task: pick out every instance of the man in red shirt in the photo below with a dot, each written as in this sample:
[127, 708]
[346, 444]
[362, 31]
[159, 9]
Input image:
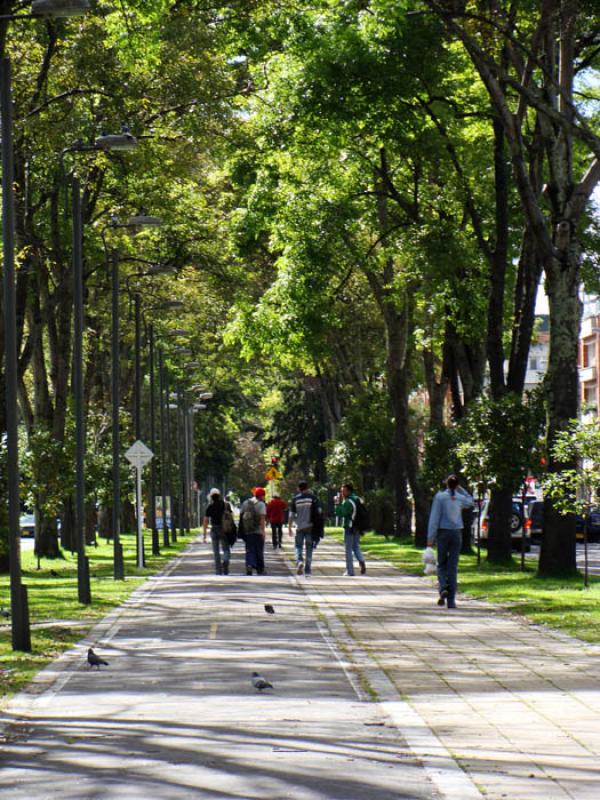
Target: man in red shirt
[275, 515]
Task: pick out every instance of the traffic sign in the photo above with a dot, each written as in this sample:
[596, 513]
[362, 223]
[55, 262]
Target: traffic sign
[272, 474]
[139, 455]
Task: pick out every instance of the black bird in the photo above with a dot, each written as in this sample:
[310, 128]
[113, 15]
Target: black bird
[5, 613]
[260, 683]
[269, 609]
[94, 660]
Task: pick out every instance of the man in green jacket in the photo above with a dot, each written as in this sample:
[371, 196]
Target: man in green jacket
[347, 504]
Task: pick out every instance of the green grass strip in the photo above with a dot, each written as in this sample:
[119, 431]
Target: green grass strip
[57, 618]
[564, 604]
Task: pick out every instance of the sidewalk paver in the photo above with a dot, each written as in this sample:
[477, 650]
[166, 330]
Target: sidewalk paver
[516, 704]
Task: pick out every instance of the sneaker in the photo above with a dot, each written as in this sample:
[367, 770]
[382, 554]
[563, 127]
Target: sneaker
[442, 598]
[300, 568]
[347, 574]
[307, 574]
[248, 570]
[363, 567]
[226, 568]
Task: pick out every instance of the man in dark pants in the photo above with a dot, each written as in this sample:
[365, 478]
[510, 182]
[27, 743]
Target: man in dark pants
[445, 527]
[253, 514]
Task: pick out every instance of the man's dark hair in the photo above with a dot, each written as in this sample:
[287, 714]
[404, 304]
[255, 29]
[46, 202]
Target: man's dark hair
[303, 485]
[348, 486]
[452, 481]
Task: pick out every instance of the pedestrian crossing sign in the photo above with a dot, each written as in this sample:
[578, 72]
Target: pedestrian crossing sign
[272, 474]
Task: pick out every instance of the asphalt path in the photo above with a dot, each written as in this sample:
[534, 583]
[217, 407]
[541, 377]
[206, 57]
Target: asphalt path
[174, 715]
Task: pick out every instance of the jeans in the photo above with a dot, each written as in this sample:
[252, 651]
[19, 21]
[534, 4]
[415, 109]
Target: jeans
[277, 533]
[352, 545]
[449, 543]
[255, 552]
[218, 542]
[303, 537]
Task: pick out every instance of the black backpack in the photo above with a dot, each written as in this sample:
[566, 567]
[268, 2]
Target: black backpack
[361, 521]
[317, 521]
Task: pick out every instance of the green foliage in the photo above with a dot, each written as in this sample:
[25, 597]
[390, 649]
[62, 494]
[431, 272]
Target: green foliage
[499, 441]
[441, 456]
[572, 490]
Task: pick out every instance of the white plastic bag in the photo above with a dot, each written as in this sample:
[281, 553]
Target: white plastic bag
[430, 561]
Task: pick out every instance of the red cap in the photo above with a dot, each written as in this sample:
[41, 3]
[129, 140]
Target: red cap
[259, 492]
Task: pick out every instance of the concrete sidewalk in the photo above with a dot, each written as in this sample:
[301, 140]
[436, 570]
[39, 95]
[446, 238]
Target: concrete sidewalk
[517, 705]
[469, 703]
[174, 714]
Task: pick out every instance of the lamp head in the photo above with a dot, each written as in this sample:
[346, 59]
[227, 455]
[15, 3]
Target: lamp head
[60, 8]
[117, 141]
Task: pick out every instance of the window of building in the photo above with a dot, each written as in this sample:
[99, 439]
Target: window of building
[589, 394]
[533, 363]
[589, 354]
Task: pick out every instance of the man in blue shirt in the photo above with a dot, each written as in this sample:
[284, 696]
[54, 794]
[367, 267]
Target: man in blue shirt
[445, 527]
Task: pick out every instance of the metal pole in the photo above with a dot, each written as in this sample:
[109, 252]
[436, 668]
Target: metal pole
[21, 637]
[140, 534]
[189, 439]
[138, 426]
[181, 460]
[152, 506]
[83, 571]
[169, 453]
[118, 571]
[163, 448]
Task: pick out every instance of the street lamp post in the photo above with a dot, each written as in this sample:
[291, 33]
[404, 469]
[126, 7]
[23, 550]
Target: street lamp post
[139, 220]
[83, 567]
[21, 635]
[163, 446]
[155, 539]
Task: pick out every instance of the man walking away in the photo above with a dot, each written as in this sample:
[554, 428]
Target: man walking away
[275, 514]
[214, 515]
[303, 508]
[445, 526]
[253, 514]
[347, 509]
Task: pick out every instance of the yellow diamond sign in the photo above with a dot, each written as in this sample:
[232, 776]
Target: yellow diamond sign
[272, 474]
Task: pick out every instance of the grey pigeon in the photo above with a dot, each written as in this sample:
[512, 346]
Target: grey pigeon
[94, 660]
[260, 683]
[269, 609]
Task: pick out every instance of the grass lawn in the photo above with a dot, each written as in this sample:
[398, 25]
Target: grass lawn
[564, 604]
[58, 620]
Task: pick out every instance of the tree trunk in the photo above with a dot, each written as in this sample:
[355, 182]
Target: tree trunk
[558, 552]
[500, 509]
[67, 527]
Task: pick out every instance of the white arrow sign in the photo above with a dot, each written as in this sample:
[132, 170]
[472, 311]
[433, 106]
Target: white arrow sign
[139, 455]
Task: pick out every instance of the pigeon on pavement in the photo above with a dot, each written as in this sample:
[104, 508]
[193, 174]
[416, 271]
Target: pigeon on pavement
[94, 660]
[269, 609]
[260, 683]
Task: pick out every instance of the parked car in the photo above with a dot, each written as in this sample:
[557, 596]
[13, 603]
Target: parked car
[27, 524]
[534, 522]
[593, 525]
[516, 526]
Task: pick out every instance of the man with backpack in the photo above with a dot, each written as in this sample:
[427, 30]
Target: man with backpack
[352, 511]
[214, 514]
[304, 510]
[253, 514]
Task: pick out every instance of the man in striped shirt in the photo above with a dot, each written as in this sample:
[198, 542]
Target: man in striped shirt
[303, 508]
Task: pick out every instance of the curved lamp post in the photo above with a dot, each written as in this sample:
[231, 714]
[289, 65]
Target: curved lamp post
[133, 222]
[21, 635]
[105, 142]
